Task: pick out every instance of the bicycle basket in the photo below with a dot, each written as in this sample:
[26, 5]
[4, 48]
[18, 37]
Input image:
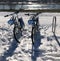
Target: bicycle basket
[31, 22]
[11, 22]
[21, 22]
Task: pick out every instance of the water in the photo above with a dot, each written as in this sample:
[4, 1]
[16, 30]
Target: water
[31, 7]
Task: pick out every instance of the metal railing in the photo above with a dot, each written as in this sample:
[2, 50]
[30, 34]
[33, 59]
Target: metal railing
[54, 25]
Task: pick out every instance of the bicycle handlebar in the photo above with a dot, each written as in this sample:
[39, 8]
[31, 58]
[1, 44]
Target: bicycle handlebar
[34, 15]
[6, 16]
[29, 14]
[12, 14]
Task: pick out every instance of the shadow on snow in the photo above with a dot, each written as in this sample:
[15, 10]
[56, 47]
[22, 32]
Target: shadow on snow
[9, 52]
[35, 47]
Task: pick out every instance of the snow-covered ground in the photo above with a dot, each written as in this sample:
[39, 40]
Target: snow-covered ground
[49, 50]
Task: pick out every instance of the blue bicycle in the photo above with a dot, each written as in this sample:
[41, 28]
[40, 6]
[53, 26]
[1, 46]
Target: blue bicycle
[35, 25]
[18, 25]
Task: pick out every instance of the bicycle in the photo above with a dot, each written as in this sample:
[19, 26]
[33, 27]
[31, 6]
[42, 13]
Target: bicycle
[35, 25]
[18, 25]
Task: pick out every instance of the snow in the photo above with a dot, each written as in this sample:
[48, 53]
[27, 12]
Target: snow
[49, 50]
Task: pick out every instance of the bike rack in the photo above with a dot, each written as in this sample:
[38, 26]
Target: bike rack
[54, 25]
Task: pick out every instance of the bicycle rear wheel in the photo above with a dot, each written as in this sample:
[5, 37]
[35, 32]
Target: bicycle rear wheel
[17, 34]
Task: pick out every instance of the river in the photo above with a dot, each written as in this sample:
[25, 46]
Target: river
[30, 7]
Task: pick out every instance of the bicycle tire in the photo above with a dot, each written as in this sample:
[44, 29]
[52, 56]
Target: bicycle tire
[34, 29]
[32, 35]
[16, 34]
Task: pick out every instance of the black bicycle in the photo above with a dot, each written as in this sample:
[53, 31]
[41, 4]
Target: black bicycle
[18, 25]
[35, 25]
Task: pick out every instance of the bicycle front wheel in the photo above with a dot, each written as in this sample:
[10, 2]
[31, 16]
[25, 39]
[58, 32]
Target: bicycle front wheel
[32, 36]
[17, 34]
